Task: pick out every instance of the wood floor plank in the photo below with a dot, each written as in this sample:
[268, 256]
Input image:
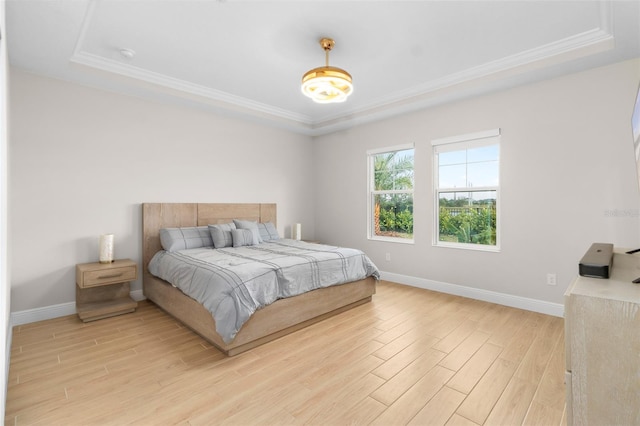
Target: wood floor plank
[409, 356]
[363, 413]
[457, 336]
[470, 374]
[552, 382]
[546, 407]
[445, 319]
[540, 414]
[535, 361]
[393, 388]
[479, 403]
[358, 358]
[392, 348]
[511, 408]
[512, 321]
[415, 398]
[518, 343]
[335, 401]
[464, 351]
[439, 409]
[458, 420]
[392, 366]
[494, 318]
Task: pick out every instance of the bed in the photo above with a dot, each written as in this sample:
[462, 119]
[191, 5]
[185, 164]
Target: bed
[282, 317]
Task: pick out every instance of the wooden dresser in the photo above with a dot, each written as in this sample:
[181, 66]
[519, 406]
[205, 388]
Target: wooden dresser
[602, 346]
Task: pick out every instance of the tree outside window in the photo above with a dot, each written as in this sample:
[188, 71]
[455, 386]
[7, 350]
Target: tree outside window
[391, 194]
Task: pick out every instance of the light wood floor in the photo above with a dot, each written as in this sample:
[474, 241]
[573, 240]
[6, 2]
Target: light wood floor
[409, 357]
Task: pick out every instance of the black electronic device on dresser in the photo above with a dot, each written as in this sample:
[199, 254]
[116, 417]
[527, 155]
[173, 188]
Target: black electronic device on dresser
[597, 261]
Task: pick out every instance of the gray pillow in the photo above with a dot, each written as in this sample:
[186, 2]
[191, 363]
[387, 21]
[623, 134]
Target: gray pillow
[173, 239]
[247, 224]
[268, 231]
[221, 234]
[243, 237]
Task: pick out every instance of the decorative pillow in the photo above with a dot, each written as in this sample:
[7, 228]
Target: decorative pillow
[221, 234]
[247, 224]
[268, 231]
[243, 237]
[173, 239]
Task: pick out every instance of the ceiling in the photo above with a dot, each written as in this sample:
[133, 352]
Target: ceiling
[247, 58]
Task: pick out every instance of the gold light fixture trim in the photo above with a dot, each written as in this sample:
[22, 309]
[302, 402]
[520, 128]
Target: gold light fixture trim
[327, 84]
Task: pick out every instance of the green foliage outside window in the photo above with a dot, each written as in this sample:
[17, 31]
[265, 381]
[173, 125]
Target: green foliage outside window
[468, 223]
[393, 212]
[395, 217]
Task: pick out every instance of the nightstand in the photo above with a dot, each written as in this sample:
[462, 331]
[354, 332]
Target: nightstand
[102, 289]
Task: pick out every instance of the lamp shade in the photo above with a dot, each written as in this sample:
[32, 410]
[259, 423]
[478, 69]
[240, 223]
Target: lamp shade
[327, 84]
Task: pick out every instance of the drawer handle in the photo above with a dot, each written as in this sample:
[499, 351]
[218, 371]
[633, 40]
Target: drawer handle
[110, 276]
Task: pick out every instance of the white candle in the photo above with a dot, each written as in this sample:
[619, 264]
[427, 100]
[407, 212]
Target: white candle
[106, 248]
[296, 231]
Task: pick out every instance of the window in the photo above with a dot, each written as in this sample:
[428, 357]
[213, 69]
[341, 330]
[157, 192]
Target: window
[390, 207]
[467, 191]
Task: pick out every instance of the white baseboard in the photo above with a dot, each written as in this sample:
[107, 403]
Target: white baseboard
[41, 314]
[555, 309]
[137, 295]
[55, 311]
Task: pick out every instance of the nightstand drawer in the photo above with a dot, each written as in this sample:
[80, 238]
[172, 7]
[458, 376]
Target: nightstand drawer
[108, 276]
[97, 274]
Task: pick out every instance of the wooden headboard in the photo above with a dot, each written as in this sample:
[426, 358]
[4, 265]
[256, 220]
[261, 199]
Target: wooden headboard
[156, 216]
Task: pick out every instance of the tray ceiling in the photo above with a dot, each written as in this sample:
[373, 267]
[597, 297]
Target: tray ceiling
[246, 58]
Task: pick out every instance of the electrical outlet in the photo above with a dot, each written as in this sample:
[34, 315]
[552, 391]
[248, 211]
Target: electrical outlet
[388, 257]
[551, 279]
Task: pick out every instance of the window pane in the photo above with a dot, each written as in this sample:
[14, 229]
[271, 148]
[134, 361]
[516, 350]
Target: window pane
[452, 157]
[482, 174]
[467, 217]
[393, 170]
[466, 214]
[484, 153]
[393, 215]
[453, 176]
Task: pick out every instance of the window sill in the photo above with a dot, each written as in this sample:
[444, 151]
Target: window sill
[474, 247]
[392, 240]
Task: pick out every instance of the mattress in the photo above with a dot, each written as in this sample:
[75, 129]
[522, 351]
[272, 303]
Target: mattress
[232, 283]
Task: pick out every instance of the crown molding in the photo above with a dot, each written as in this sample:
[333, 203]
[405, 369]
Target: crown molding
[580, 45]
[164, 81]
[424, 95]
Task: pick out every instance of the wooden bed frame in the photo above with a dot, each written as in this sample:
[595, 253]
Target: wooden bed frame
[271, 322]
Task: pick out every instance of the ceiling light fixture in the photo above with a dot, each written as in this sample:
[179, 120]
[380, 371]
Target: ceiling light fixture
[327, 84]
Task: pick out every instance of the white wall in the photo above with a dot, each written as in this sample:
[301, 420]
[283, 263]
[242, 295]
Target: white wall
[567, 172]
[5, 290]
[82, 161]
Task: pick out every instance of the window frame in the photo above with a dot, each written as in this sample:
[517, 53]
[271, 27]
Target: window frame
[458, 143]
[371, 192]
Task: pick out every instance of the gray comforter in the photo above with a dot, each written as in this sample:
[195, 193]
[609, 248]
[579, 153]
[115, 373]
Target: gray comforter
[232, 283]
